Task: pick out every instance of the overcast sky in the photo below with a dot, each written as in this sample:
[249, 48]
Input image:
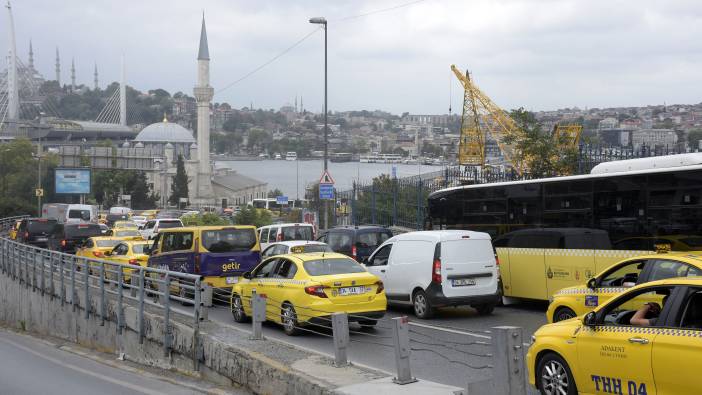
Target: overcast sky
[539, 54]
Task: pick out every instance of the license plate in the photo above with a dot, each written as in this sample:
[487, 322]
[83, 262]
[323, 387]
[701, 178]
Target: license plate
[232, 280]
[462, 282]
[41, 239]
[353, 291]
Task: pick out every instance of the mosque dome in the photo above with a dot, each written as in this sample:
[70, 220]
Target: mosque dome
[165, 132]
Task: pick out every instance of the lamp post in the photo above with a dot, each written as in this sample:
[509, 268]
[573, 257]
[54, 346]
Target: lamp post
[322, 21]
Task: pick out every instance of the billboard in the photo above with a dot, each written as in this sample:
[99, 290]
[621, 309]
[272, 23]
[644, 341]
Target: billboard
[73, 181]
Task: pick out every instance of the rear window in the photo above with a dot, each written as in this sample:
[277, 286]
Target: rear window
[79, 214]
[467, 250]
[107, 243]
[371, 239]
[169, 224]
[82, 230]
[340, 241]
[227, 240]
[41, 226]
[138, 248]
[126, 233]
[325, 267]
[297, 232]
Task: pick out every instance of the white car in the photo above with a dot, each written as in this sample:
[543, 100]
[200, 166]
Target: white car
[295, 247]
[284, 232]
[438, 268]
[140, 220]
[152, 227]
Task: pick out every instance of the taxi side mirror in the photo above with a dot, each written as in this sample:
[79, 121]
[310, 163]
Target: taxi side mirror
[590, 319]
[592, 283]
[247, 276]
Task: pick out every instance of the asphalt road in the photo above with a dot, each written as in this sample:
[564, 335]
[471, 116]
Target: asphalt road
[433, 357]
[32, 366]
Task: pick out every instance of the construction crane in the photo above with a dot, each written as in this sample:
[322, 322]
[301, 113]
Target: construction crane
[567, 136]
[480, 117]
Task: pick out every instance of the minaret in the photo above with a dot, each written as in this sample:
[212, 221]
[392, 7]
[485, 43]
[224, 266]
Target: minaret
[203, 93]
[12, 86]
[73, 74]
[95, 75]
[295, 104]
[58, 67]
[31, 56]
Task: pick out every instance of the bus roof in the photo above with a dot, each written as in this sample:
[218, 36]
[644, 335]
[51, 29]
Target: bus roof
[621, 173]
[654, 162]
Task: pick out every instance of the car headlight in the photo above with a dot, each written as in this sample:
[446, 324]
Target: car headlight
[550, 299]
[533, 339]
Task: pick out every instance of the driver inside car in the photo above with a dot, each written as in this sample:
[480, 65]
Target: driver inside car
[647, 315]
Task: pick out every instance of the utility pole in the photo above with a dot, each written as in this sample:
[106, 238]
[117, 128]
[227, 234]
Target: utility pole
[322, 21]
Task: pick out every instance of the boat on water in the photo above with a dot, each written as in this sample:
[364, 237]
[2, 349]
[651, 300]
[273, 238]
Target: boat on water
[341, 157]
[278, 157]
[380, 158]
[291, 155]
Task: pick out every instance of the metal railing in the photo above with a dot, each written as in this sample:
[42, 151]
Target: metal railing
[71, 278]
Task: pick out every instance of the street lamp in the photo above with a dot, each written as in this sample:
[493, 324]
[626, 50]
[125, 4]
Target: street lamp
[322, 21]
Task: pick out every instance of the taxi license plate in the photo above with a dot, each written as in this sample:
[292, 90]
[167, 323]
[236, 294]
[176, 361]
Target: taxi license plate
[352, 291]
[462, 282]
[232, 280]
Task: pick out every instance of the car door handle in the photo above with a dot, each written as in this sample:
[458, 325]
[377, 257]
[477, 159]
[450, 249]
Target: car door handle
[382, 270]
[638, 340]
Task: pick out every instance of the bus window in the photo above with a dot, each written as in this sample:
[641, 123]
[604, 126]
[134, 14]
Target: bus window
[536, 239]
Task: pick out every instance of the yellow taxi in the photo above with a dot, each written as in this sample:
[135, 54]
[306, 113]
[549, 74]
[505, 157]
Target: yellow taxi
[126, 234]
[128, 252]
[627, 345]
[15, 229]
[96, 247]
[149, 214]
[575, 301]
[124, 225]
[307, 288]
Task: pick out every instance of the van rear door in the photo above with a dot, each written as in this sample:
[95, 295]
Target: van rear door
[229, 252]
[468, 267]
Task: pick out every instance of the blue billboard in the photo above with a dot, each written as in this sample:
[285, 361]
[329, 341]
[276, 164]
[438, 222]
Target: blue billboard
[73, 181]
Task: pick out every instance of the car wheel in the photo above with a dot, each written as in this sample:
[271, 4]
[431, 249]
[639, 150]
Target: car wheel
[422, 307]
[554, 376]
[238, 309]
[485, 309]
[563, 313]
[289, 318]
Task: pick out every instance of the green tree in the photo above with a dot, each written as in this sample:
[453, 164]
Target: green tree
[203, 220]
[179, 187]
[275, 193]
[693, 137]
[143, 198]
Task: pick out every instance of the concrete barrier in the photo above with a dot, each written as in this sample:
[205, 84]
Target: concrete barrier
[221, 354]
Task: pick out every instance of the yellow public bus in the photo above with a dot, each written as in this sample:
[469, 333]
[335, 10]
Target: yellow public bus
[557, 232]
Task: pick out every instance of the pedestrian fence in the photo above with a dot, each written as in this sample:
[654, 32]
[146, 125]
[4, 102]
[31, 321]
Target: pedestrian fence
[71, 278]
[497, 356]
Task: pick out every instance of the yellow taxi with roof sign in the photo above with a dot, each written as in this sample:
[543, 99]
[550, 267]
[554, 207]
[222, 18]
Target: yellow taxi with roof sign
[627, 345]
[126, 234]
[575, 301]
[125, 225]
[309, 287]
[96, 247]
[128, 252]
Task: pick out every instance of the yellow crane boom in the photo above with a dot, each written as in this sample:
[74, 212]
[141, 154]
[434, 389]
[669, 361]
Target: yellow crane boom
[480, 116]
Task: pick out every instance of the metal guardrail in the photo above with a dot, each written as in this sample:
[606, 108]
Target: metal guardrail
[66, 276]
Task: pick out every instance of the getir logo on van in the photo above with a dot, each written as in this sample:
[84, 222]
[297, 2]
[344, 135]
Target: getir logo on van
[230, 266]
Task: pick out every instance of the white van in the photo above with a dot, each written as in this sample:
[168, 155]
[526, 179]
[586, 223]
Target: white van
[81, 213]
[284, 232]
[438, 268]
[153, 226]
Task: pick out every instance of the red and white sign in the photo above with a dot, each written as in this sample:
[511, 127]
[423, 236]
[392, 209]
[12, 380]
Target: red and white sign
[326, 178]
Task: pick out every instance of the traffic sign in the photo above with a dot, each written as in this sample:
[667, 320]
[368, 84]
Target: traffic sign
[326, 178]
[281, 199]
[326, 191]
[39, 192]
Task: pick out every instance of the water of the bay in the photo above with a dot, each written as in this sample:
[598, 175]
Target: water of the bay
[292, 177]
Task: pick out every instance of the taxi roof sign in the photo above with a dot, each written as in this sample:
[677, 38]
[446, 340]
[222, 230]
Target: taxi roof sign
[326, 178]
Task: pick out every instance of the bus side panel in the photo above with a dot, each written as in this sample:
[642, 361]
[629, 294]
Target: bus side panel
[228, 264]
[607, 258]
[528, 273]
[567, 268]
[505, 275]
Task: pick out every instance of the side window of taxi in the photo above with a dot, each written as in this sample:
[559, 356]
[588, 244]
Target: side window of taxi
[692, 312]
[121, 249]
[88, 243]
[620, 312]
[380, 258]
[270, 251]
[265, 269]
[662, 269]
[285, 269]
[626, 275]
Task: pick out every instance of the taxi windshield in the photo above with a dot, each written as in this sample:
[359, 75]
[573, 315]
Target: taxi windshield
[227, 240]
[326, 267]
[126, 233]
[106, 243]
[138, 248]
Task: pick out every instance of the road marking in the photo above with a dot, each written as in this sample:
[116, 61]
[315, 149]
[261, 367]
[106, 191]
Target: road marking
[438, 328]
[84, 371]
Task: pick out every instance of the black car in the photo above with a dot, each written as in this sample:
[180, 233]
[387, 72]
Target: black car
[35, 231]
[68, 237]
[110, 219]
[358, 242]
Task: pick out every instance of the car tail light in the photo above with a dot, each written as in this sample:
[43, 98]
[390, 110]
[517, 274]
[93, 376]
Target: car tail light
[436, 271]
[133, 262]
[316, 290]
[381, 287]
[497, 260]
[354, 252]
[63, 243]
[98, 254]
[196, 268]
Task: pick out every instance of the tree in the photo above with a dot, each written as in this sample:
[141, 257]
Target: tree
[179, 187]
[693, 137]
[275, 193]
[143, 198]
